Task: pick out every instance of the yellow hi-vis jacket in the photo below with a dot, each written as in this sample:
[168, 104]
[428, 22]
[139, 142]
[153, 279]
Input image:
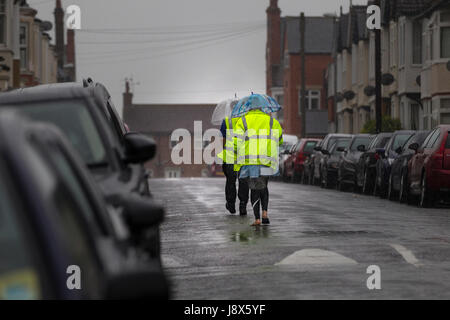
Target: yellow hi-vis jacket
[228, 154]
[258, 137]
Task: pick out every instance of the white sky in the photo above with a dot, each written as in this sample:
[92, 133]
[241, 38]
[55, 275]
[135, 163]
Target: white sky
[201, 72]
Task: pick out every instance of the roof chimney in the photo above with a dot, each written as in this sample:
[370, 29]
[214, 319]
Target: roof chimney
[59, 34]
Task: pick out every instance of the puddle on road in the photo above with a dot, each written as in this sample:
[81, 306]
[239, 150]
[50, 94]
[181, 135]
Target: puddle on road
[250, 236]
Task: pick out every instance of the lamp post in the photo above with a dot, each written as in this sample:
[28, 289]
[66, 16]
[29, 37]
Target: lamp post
[378, 93]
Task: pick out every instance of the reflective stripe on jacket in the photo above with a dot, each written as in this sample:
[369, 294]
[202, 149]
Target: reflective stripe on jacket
[228, 154]
[258, 137]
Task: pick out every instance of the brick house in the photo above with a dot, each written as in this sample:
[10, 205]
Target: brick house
[283, 68]
[160, 121]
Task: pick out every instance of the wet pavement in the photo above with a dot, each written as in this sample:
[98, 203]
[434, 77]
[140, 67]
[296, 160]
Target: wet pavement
[319, 245]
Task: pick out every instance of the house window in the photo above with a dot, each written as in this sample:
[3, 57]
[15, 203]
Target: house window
[445, 42]
[417, 42]
[415, 116]
[312, 100]
[445, 111]
[402, 43]
[23, 46]
[2, 21]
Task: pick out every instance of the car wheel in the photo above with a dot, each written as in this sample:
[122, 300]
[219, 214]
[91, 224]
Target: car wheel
[390, 193]
[425, 197]
[403, 193]
[365, 187]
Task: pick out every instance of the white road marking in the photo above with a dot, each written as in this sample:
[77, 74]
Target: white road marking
[316, 257]
[407, 255]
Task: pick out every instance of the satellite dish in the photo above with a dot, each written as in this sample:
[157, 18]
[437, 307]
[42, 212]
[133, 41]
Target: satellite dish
[349, 95]
[339, 97]
[46, 26]
[369, 91]
[387, 79]
[419, 80]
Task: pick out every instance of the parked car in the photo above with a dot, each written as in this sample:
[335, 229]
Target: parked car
[330, 162]
[54, 220]
[319, 155]
[429, 168]
[79, 111]
[216, 170]
[293, 166]
[398, 179]
[289, 141]
[308, 166]
[366, 168]
[349, 159]
[387, 156]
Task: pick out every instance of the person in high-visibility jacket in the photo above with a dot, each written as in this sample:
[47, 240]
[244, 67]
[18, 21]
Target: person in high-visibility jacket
[228, 156]
[258, 138]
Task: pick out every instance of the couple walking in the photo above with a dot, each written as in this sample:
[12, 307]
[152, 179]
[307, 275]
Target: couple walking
[250, 155]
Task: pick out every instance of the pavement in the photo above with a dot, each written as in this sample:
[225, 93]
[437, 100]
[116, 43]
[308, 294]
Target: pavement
[319, 245]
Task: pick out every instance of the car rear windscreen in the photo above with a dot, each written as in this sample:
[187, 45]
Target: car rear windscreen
[75, 121]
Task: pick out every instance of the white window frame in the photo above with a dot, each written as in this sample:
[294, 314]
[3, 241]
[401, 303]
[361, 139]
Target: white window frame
[310, 96]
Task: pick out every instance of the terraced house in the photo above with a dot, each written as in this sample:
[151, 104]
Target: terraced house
[415, 51]
[27, 55]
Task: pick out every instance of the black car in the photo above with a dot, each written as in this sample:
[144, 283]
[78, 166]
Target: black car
[366, 168]
[79, 111]
[398, 179]
[326, 145]
[386, 157]
[330, 162]
[350, 158]
[54, 221]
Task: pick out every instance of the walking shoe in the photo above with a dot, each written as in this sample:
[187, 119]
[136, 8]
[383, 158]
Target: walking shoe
[243, 210]
[230, 208]
[265, 221]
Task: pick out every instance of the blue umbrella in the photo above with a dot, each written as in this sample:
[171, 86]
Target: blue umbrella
[261, 102]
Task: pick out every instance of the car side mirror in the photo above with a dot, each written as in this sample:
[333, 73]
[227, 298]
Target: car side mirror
[138, 148]
[340, 149]
[317, 149]
[141, 213]
[361, 148]
[325, 152]
[399, 150]
[137, 285]
[414, 146]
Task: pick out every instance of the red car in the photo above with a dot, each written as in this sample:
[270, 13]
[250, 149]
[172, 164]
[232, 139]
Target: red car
[429, 168]
[293, 165]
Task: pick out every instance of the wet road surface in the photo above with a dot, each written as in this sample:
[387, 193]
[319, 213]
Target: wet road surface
[318, 246]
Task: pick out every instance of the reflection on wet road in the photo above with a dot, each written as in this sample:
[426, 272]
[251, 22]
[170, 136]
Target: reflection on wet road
[319, 245]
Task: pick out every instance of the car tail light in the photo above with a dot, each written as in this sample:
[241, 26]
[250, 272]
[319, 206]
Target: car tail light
[437, 160]
[377, 156]
[301, 157]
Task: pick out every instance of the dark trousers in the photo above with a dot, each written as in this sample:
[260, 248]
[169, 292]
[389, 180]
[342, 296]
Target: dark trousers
[260, 198]
[230, 186]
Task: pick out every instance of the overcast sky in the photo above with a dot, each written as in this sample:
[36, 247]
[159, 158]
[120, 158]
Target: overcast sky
[178, 51]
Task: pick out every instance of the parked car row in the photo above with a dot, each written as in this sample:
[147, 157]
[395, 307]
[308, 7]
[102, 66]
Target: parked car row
[406, 166]
[75, 196]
